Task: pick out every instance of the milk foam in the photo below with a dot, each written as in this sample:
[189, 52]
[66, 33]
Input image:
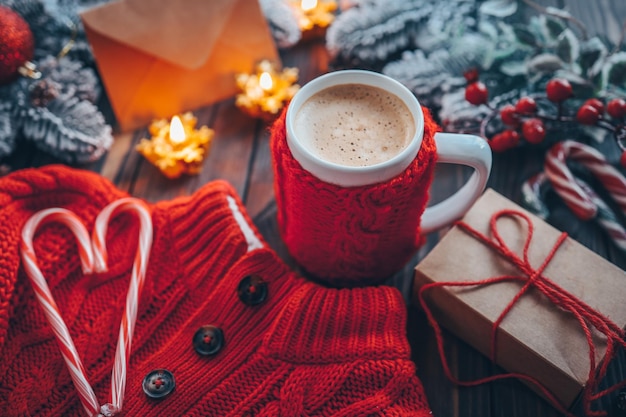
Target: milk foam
[354, 125]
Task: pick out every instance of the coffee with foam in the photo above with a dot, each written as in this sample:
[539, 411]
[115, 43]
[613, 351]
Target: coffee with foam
[354, 125]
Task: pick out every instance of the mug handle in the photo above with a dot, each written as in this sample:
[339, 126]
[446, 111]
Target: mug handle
[470, 150]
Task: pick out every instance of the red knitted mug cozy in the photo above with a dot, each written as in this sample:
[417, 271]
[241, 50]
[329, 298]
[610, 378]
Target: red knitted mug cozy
[351, 236]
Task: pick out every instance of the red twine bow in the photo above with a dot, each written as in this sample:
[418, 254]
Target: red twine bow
[533, 278]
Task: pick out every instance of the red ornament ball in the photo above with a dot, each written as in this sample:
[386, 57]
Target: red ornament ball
[476, 93]
[17, 44]
[509, 116]
[558, 90]
[597, 104]
[616, 108]
[587, 115]
[526, 105]
[504, 141]
[533, 130]
[622, 159]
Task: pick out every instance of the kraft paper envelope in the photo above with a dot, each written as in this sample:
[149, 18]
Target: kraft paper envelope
[161, 57]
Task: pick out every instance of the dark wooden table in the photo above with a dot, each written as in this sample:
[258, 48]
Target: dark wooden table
[240, 154]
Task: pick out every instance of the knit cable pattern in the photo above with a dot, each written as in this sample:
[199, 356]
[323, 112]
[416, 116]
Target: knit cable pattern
[306, 350]
[351, 236]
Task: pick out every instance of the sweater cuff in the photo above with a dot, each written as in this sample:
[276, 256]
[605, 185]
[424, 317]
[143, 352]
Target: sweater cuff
[325, 325]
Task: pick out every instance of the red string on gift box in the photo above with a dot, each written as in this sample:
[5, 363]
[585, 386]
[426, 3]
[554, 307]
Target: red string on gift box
[534, 278]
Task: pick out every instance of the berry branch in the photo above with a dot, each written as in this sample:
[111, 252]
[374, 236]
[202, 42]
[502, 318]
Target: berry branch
[525, 120]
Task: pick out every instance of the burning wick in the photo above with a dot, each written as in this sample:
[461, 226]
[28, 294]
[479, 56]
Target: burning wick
[308, 5]
[177, 131]
[265, 81]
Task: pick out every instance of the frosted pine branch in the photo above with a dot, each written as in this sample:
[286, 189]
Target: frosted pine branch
[72, 130]
[282, 22]
[374, 31]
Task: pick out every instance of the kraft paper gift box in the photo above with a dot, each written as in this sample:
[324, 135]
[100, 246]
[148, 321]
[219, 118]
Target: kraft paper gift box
[535, 338]
[158, 58]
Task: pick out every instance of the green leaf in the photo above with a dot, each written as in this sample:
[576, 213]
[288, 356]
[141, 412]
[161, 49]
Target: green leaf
[536, 25]
[592, 52]
[498, 8]
[568, 46]
[573, 78]
[553, 27]
[525, 36]
[488, 29]
[513, 68]
[614, 71]
[545, 63]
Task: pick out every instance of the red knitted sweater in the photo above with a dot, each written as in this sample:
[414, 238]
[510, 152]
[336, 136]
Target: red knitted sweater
[304, 350]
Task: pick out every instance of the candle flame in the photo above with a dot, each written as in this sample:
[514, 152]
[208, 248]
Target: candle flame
[308, 5]
[177, 131]
[265, 81]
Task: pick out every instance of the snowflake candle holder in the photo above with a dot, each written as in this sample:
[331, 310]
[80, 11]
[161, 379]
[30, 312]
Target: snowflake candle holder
[265, 92]
[314, 16]
[177, 147]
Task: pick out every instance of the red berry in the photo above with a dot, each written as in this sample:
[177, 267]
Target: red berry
[533, 130]
[471, 75]
[526, 105]
[616, 108]
[504, 141]
[622, 159]
[476, 93]
[558, 90]
[597, 104]
[509, 115]
[587, 115]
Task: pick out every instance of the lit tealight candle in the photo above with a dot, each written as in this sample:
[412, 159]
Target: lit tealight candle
[176, 148]
[314, 16]
[265, 92]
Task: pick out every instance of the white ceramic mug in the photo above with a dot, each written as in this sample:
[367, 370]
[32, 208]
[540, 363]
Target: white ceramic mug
[358, 225]
[452, 148]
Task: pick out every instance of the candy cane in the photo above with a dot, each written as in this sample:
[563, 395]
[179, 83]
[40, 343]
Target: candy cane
[93, 258]
[605, 217]
[531, 195]
[50, 308]
[564, 183]
[138, 275]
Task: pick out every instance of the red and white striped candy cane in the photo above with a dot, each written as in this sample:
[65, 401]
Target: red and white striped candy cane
[606, 217]
[92, 254]
[564, 182]
[137, 279]
[50, 308]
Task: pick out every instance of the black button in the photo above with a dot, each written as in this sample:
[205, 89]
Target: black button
[252, 290]
[158, 383]
[208, 340]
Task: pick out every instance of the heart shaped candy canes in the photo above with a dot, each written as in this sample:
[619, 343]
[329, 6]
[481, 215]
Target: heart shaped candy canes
[93, 256]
